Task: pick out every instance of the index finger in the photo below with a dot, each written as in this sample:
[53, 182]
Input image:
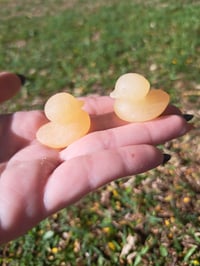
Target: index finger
[100, 105]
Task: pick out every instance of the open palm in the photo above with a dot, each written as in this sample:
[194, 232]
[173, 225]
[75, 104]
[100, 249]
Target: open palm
[36, 181]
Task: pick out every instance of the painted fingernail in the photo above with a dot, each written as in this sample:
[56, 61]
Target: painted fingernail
[166, 158]
[22, 78]
[188, 117]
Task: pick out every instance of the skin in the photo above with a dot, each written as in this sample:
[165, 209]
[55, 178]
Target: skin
[37, 181]
[12, 82]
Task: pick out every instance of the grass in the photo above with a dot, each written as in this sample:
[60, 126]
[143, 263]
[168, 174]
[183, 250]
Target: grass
[84, 45]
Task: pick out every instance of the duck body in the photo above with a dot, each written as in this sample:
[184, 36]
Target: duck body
[67, 121]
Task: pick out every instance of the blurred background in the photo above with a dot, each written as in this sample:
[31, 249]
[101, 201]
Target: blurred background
[83, 46]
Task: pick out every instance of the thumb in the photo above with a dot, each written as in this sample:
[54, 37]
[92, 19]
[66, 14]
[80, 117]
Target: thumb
[10, 84]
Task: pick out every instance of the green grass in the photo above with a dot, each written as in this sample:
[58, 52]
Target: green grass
[84, 45]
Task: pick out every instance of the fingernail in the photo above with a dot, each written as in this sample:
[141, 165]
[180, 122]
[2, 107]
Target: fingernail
[166, 158]
[188, 117]
[22, 78]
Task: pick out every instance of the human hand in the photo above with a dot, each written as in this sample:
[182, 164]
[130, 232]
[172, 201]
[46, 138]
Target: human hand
[37, 181]
[10, 84]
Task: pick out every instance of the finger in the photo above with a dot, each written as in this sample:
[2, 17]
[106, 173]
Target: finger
[96, 105]
[75, 178]
[110, 120]
[102, 114]
[10, 84]
[153, 132]
[172, 110]
[18, 130]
